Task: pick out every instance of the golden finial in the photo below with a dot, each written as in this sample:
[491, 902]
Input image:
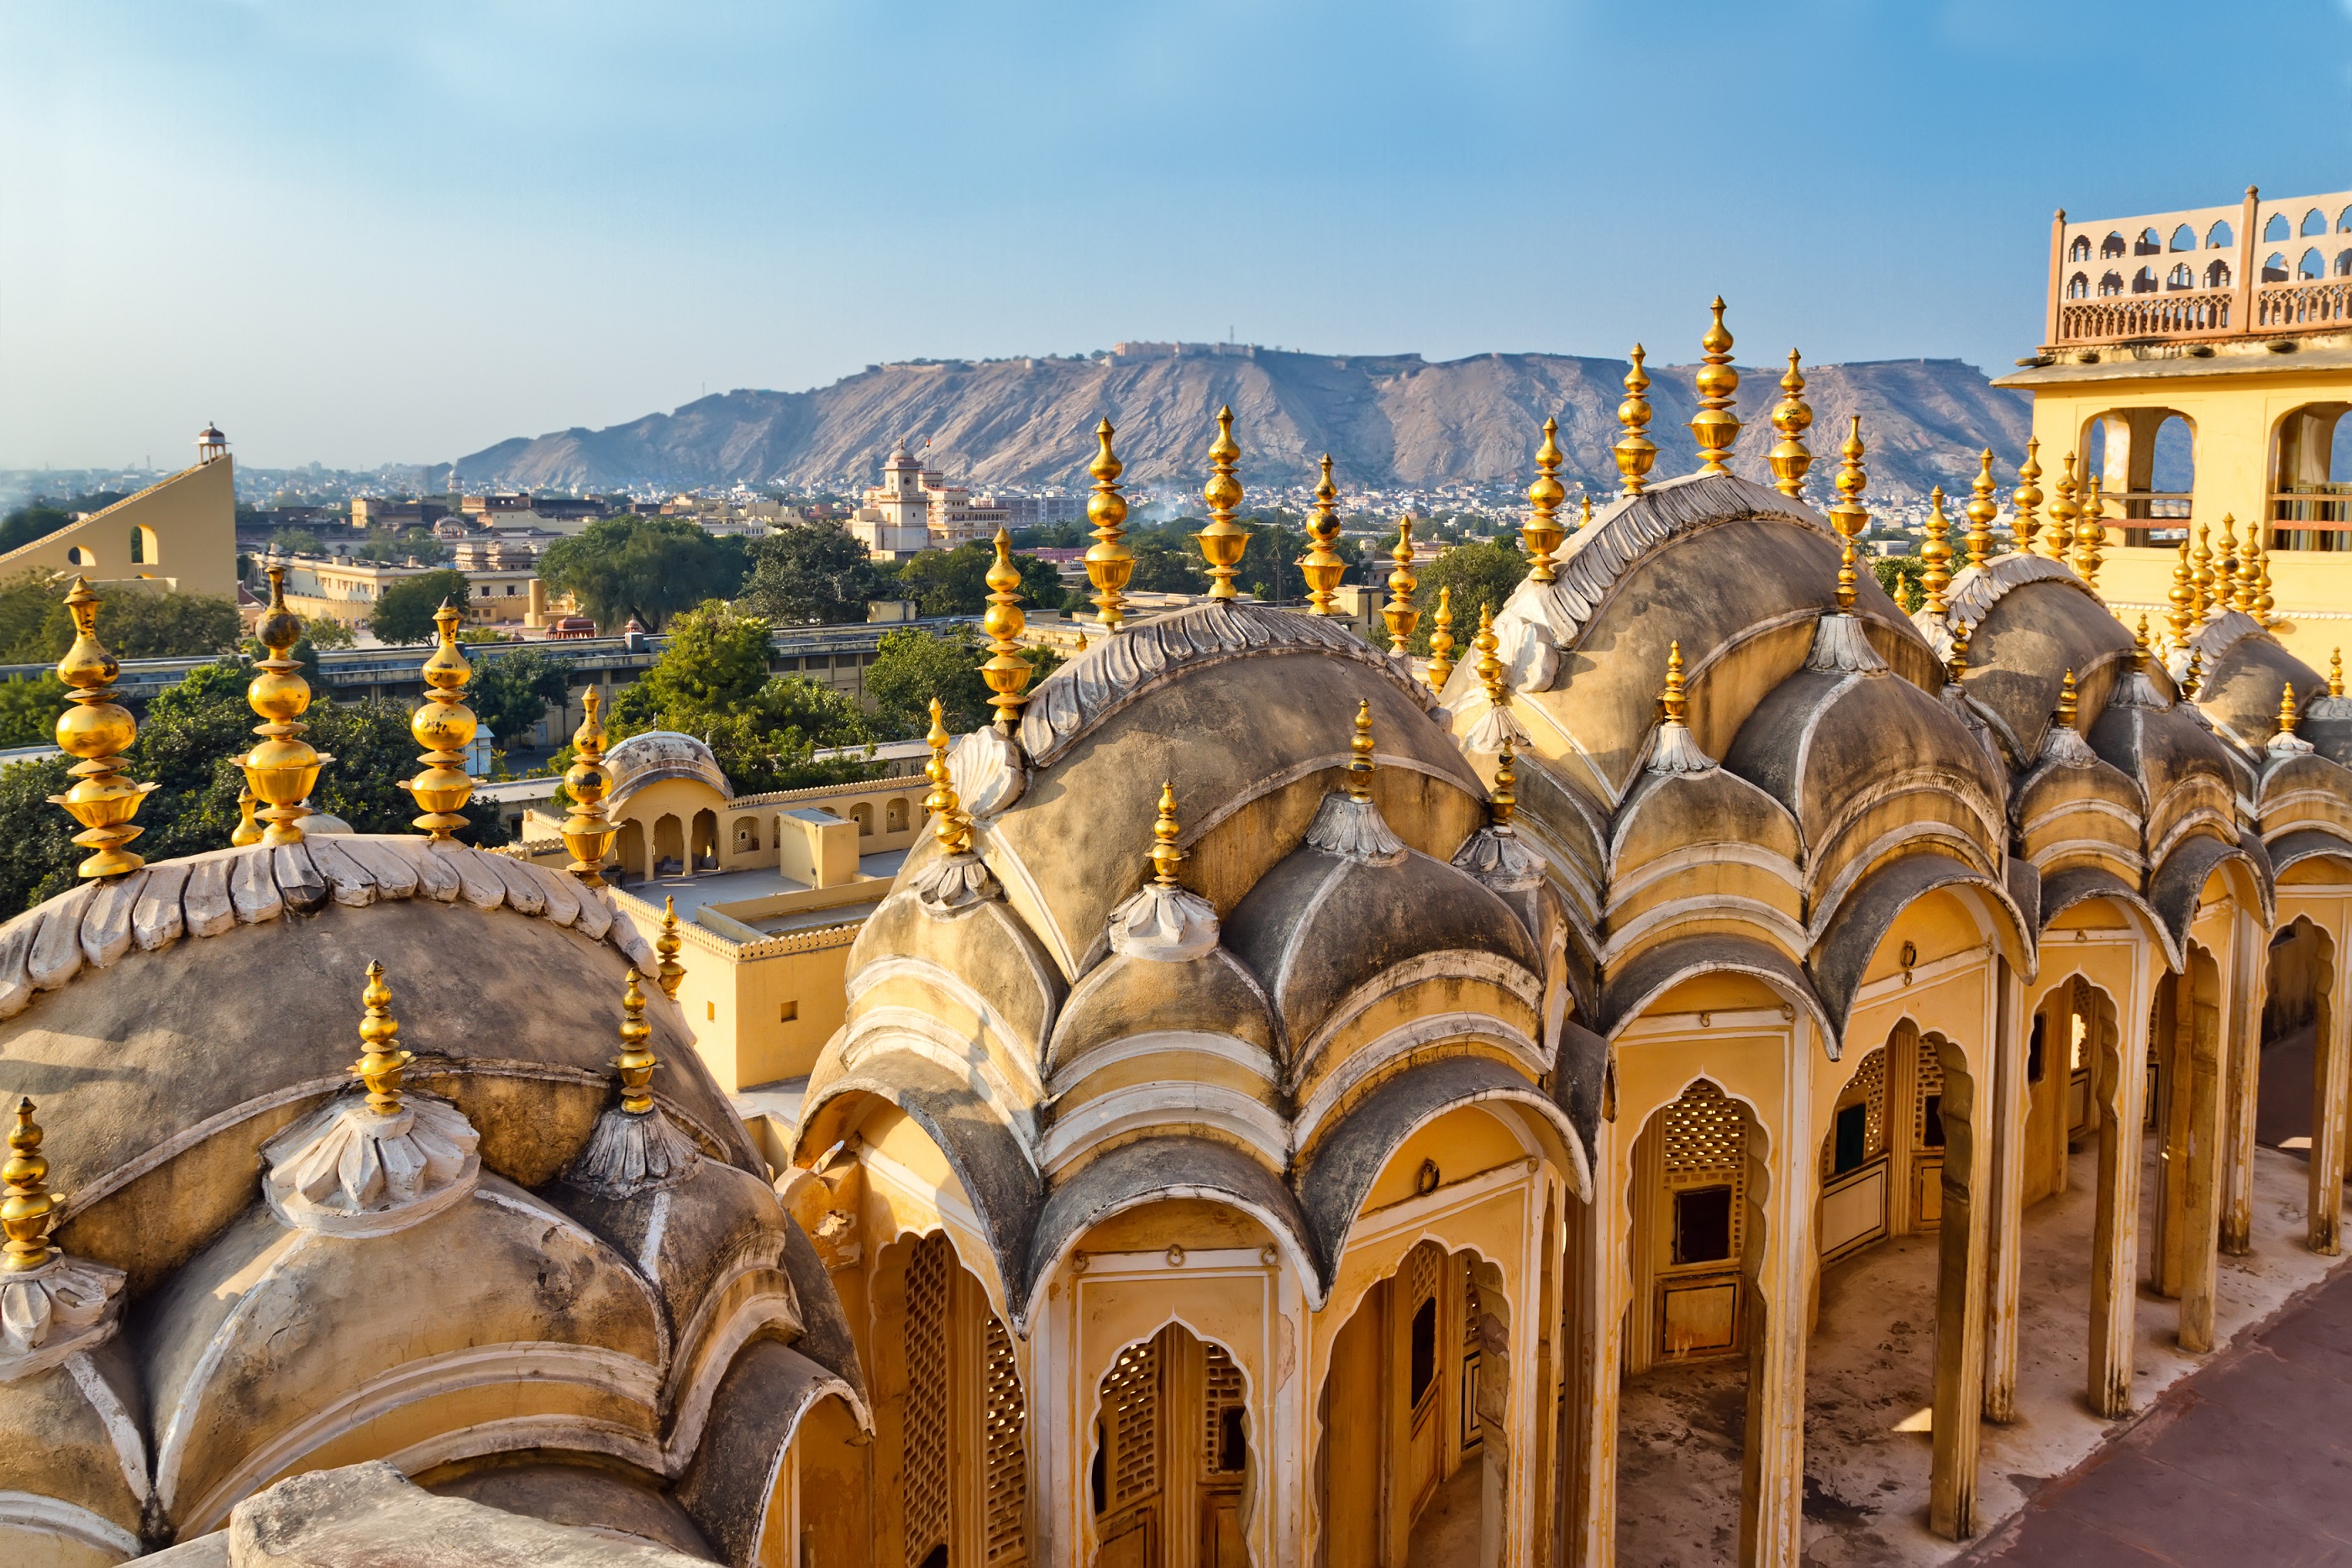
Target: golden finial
[1541, 533]
[97, 731]
[1635, 450]
[1981, 511]
[1936, 555]
[1502, 800]
[2183, 597]
[2026, 499]
[1165, 855]
[2090, 534]
[1848, 514]
[667, 948]
[2195, 678]
[30, 1208]
[443, 726]
[1675, 699]
[248, 830]
[1322, 565]
[2201, 573]
[381, 1058]
[1398, 612]
[1109, 563]
[1490, 666]
[2287, 715]
[1956, 664]
[1359, 754]
[636, 1062]
[1440, 642]
[2335, 673]
[947, 823]
[2264, 605]
[283, 768]
[1714, 426]
[2141, 647]
[586, 831]
[1006, 671]
[2225, 567]
[2250, 574]
[2058, 534]
[1223, 540]
[1792, 417]
[1584, 517]
[2066, 701]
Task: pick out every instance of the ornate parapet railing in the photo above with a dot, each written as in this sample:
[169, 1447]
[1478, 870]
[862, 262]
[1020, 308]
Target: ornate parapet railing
[2304, 307]
[2204, 313]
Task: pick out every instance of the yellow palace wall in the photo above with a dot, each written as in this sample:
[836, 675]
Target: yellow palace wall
[187, 527]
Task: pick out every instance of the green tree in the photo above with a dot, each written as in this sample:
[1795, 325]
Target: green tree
[403, 612]
[513, 692]
[955, 582]
[1905, 579]
[322, 632]
[805, 572]
[1479, 574]
[36, 520]
[912, 666]
[651, 567]
[29, 710]
[716, 661]
[133, 623]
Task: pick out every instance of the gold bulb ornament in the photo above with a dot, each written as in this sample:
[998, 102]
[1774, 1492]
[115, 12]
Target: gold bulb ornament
[29, 1208]
[2250, 573]
[1503, 800]
[2265, 605]
[1440, 642]
[96, 731]
[2335, 673]
[2225, 567]
[1714, 426]
[1634, 451]
[1322, 567]
[1109, 563]
[1165, 856]
[2058, 535]
[2090, 533]
[283, 768]
[2195, 678]
[636, 1062]
[949, 826]
[1935, 555]
[667, 946]
[2026, 499]
[1006, 671]
[587, 833]
[1848, 515]
[248, 830]
[1223, 540]
[1398, 613]
[2067, 701]
[1792, 417]
[2183, 597]
[1359, 754]
[2201, 576]
[1981, 511]
[1674, 702]
[382, 1060]
[1541, 533]
[2287, 715]
[443, 726]
[1956, 664]
[2141, 647]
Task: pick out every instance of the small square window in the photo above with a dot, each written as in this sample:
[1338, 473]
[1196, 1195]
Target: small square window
[1702, 1225]
[1852, 1139]
[788, 1012]
[710, 1011]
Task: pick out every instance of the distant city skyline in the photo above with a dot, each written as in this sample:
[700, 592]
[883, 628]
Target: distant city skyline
[358, 236]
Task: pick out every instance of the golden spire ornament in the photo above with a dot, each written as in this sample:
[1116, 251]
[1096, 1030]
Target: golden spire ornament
[587, 833]
[2195, 678]
[2225, 567]
[1981, 511]
[1935, 555]
[1398, 613]
[443, 726]
[2250, 574]
[2141, 647]
[96, 731]
[248, 830]
[2183, 597]
[1359, 754]
[1584, 512]
[2264, 605]
[29, 1208]
[1634, 451]
[1322, 567]
[2026, 499]
[667, 948]
[1847, 515]
[2058, 535]
[1165, 856]
[2335, 673]
[1792, 417]
[2090, 534]
[2067, 701]
[1541, 533]
[1956, 663]
[2288, 716]
[1109, 563]
[1714, 426]
[382, 1060]
[1674, 700]
[636, 1062]
[1440, 642]
[1006, 671]
[2201, 576]
[1490, 665]
[1503, 800]
[1223, 540]
[283, 768]
[949, 824]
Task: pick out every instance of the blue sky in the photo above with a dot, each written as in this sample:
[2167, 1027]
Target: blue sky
[399, 232]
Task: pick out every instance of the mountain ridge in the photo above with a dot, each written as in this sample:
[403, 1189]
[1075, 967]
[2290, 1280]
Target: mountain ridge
[1389, 421]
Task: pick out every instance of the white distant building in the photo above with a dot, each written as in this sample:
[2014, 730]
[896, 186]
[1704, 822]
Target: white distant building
[915, 509]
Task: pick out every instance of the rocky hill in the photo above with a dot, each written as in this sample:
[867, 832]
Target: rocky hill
[1388, 420]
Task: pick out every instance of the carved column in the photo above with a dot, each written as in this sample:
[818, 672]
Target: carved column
[1959, 1301]
[1598, 1288]
[2201, 1218]
[2249, 955]
[2175, 1022]
[2006, 1186]
[2119, 1093]
[2331, 1082]
[1778, 1279]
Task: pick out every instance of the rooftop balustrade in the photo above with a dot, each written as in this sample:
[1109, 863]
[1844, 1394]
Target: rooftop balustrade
[2264, 269]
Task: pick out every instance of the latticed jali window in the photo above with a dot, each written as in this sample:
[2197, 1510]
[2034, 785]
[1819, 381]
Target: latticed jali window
[1223, 1446]
[1927, 1111]
[1006, 1457]
[931, 1274]
[1130, 1422]
[1705, 1135]
[1870, 1084]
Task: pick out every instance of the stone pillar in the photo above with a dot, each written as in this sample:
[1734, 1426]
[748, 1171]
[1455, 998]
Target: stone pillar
[1776, 1259]
[2201, 1217]
[2119, 1095]
[2176, 1023]
[1960, 1302]
[1597, 1286]
[2004, 1234]
[2249, 954]
[2331, 1082]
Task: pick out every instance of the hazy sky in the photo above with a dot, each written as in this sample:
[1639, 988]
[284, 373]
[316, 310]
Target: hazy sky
[399, 232]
